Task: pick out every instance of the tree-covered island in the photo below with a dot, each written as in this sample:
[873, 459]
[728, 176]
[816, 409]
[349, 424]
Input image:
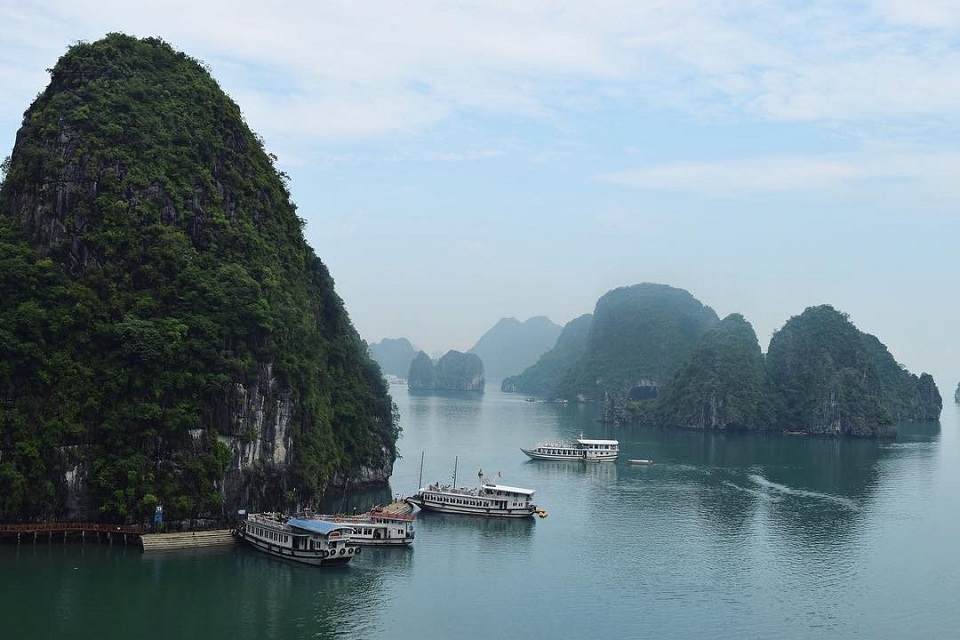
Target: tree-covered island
[454, 371]
[655, 356]
[167, 336]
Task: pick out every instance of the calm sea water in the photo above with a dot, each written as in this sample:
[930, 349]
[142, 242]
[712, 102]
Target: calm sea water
[724, 536]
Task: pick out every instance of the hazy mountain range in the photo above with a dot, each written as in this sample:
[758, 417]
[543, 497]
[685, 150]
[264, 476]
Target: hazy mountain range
[508, 348]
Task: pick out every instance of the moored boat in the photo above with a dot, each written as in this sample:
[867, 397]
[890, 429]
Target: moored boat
[388, 526]
[489, 499]
[586, 449]
[310, 541]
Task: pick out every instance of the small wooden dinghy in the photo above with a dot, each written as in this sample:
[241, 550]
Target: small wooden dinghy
[641, 461]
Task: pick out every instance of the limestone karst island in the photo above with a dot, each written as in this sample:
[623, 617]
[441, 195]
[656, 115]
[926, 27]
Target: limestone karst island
[167, 337]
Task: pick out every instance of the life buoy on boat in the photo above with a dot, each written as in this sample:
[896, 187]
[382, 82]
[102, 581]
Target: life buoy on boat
[323, 554]
[342, 551]
[357, 550]
[349, 550]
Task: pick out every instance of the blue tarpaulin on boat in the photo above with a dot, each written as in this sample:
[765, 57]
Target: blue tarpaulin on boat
[323, 527]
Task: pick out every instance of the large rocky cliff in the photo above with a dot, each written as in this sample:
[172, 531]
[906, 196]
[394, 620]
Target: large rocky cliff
[167, 336]
[824, 379]
[639, 335]
[821, 376]
[722, 385]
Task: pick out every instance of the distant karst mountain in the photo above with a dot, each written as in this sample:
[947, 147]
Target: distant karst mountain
[454, 371]
[639, 336]
[167, 336]
[394, 355]
[821, 376]
[511, 346]
[656, 356]
[542, 378]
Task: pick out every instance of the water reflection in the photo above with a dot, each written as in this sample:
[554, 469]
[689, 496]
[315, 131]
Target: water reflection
[356, 500]
[808, 488]
[600, 471]
[235, 592]
[470, 396]
[467, 527]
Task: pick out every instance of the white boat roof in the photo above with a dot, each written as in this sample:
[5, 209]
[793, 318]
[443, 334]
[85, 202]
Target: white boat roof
[508, 489]
[322, 527]
[588, 441]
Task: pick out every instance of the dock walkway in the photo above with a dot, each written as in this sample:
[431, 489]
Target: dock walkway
[92, 532]
[186, 540]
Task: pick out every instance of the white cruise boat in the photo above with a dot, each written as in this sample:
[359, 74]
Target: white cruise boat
[310, 541]
[388, 526]
[580, 449]
[489, 499]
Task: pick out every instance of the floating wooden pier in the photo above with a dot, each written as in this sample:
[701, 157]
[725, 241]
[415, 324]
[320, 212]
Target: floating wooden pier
[48, 532]
[99, 533]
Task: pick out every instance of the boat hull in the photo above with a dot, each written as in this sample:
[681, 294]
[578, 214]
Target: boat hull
[537, 455]
[316, 558]
[489, 512]
[578, 457]
[373, 542]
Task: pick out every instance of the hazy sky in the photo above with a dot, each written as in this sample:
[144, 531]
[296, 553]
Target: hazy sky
[461, 162]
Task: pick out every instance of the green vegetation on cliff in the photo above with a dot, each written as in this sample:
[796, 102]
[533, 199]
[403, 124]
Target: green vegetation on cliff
[656, 356]
[422, 374]
[640, 335]
[454, 371]
[905, 395]
[824, 378]
[821, 375]
[722, 385]
[153, 272]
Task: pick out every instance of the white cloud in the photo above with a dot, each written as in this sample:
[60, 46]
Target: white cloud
[738, 176]
[930, 14]
[343, 70]
[464, 156]
[936, 171]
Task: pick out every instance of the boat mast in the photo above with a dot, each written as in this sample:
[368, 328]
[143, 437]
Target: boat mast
[420, 481]
[455, 460]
